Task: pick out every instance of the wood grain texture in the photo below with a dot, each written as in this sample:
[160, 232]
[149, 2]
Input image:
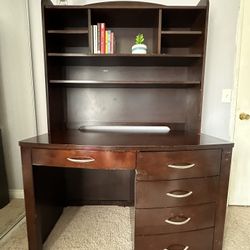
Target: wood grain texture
[153, 221]
[157, 166]
[173, 141]
[32, 218]
[75, 159]
[195, 240]
[154, 194]
[222, 199]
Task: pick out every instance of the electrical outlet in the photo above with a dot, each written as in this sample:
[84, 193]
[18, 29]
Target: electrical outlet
[226, 95]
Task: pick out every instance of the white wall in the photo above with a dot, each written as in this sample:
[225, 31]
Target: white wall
[17, 117]
[35, 17]
[220, 66]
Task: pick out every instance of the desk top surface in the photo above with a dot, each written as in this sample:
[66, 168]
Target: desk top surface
[75, 139]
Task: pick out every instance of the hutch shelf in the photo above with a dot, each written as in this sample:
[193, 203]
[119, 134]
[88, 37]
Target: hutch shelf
[177, 181]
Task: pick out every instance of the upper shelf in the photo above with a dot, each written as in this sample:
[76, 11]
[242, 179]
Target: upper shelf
[68, 31]
[178, 59]
[181, 32]
[104, 83]
[126, 55]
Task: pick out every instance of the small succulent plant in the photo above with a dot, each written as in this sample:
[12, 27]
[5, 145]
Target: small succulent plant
[139, 39]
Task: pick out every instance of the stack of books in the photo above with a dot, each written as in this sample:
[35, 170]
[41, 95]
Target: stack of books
[102, 41]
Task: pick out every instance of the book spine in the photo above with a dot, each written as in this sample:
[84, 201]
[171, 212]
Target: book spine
[98, 38]
[112, 43]
[91, 40]
[107, 42]
[102, 38]
[95, 38]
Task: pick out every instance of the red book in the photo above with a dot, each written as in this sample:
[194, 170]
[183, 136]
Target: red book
[103, 39]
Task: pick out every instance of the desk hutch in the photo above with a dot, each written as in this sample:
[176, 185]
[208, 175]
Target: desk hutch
[177, 181]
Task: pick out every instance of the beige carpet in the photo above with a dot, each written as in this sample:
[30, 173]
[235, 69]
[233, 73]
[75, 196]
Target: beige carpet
[237, 230]
[10, 215]
[93, 229]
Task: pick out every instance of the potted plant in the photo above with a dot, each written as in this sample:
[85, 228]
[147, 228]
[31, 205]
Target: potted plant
[139, 47]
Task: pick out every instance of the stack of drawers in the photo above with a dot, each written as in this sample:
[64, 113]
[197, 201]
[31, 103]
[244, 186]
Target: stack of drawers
[176, 195]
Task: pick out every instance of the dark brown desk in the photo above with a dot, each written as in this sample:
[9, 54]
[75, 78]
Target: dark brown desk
[179, 188]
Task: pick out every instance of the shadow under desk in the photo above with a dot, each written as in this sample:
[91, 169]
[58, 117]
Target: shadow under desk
[177, 182]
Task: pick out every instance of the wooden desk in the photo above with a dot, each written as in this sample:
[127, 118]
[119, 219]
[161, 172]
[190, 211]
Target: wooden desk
[181, 183]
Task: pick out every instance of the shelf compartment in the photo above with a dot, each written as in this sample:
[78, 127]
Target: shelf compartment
[68, 42]
[189, 42]
[116, 105]
[189, 19]
[118, 18]
[125, 29]
[61, 18]
[125, 76]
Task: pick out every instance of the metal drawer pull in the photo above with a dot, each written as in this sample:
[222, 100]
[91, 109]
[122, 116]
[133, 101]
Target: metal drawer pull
[179, 195]
[84, 160]
[178, 223]
[185, 248]
[180, 166]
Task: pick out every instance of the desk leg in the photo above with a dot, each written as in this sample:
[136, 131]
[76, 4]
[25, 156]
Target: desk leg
[222, 199]
[33, 225]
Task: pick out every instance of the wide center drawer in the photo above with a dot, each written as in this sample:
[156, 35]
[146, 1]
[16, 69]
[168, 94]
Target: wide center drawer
[173, 220]
[174, 193]
[84, 159]
[177, 165]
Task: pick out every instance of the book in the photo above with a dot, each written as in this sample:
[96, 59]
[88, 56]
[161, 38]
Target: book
[109, 41]
[95, 38]
[98, 38]
[102, 38]
[91, 45]
[106, 42]
[112, 43]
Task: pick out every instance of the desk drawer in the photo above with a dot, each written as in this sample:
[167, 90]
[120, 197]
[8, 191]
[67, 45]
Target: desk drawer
[178, 165]
[197, 240]
[153, 194]
[173, 220]
[84, 159]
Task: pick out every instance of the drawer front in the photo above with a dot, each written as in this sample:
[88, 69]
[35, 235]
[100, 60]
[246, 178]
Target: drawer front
[198, 240]
[153, 194]
[177, 165]
[173, 220]
[84, 159]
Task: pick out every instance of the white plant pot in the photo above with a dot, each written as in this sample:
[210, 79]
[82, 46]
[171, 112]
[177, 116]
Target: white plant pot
[139, 49]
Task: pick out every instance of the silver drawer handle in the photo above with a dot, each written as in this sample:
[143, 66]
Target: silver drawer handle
[178, 223]
[176, 166]
[85, 160]
[185, 248]
[179, 195]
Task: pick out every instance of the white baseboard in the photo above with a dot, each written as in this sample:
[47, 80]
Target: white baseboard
[16, 193]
